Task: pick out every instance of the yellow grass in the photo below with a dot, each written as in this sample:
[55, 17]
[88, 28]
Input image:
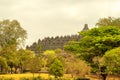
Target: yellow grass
[29, 75]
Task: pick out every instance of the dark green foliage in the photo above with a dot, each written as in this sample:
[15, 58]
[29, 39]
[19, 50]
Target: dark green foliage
[95, 43]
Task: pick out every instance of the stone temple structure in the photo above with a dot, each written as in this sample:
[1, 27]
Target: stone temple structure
[51, 43]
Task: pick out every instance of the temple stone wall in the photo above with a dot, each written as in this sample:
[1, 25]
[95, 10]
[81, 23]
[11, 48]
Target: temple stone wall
[51, 43]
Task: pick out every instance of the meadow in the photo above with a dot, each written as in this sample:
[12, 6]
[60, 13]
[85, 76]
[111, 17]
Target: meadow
[47, 76]
[30, 75]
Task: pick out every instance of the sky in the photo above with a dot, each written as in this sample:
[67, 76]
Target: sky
[43, 18]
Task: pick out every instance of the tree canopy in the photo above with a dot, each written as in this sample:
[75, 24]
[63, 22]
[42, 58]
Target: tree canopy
[112, 61]
[110, 21]
[11, 33]
[94, 43]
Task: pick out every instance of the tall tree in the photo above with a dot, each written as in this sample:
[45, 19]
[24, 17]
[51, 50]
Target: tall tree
[11, 32]
[95, 43]
[110, 21]
[12, 35]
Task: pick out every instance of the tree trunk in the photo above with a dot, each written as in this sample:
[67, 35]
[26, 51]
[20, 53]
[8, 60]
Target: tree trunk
[1, 69]
[11, 70]
[104, 76]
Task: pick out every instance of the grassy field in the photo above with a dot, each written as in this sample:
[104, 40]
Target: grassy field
[28, 75]
[46, 76]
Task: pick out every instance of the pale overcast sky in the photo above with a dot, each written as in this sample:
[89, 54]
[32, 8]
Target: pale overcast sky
[43, 18]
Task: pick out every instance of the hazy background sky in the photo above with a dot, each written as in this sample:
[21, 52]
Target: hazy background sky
[43, 18]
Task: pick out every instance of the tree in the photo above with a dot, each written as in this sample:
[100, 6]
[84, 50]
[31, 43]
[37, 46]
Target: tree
[56, 68]
[76, 67]
[3, 64]
[35, 64]
[110, 21]
[24, 57]
[112, 61]
[9, 53]
[95, 43]
[72, 64]
[49, 56]
[11, 33]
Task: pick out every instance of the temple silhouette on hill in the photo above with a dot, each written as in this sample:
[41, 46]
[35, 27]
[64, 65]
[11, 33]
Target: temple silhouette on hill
[51, 43]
